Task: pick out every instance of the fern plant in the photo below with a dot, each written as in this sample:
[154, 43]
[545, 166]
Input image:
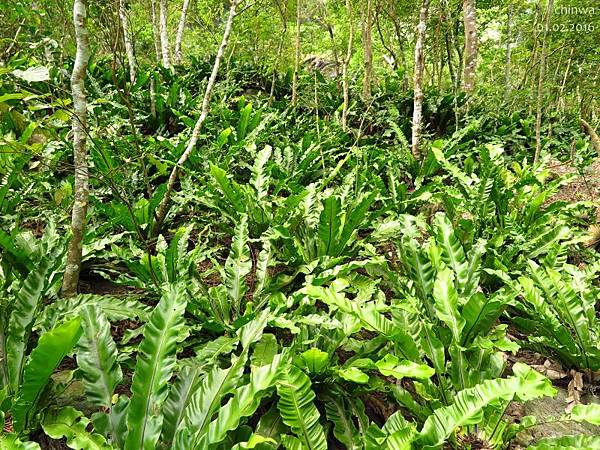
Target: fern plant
[558, 312]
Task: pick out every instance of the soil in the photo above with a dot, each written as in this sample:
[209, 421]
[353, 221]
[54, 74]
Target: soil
[585, 187]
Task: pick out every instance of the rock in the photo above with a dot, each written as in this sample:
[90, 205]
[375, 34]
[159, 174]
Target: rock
[544, 409]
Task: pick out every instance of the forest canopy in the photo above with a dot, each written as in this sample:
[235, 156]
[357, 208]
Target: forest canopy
[299, 224]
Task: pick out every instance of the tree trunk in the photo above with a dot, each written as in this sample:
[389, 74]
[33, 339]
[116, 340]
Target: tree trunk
[127, 40]
[180, 29]
[81, 189]
[156, 32]
[418, 80]
[367, 50]
[164, 205]
[507, 60]
[470, 52]
[592, 134]
[283, 12]
[297, 55]
[164, 34]
[540, 87]
[561, 92]
[345, 65]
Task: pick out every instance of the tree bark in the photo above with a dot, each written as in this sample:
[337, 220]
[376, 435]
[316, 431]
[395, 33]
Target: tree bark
[283, 12]
[592, 134]
[180, 30]
[164, 204]
[156, 32]
[507, 60]
[367, 50]
[164, 34]
[561, 92]
[81, 189]
[345, 65]
[128, 41]
[418, 81]
[297, 55]
[470, 52]
[540, 87]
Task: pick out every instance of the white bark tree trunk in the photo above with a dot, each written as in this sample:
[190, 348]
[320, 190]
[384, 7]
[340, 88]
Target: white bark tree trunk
[540, 87]
[127, 40]
[156, 32]
[283, 11]
[164, 34]
[180, 30]
[367, 50]
[470, 52]
[507, 61]
[78, 214]
[418, 81]
[345, 65]
[164, 205]
[297, 55]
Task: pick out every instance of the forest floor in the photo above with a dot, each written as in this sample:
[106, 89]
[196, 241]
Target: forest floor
[585, 187]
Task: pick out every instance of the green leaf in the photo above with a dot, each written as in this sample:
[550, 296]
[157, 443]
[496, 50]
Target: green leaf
[52, 347]
[481, 313]
[588, 413]
[401, 433]
[238, 264]
[22, 317]
[390, 366]
[179, 397]
[230, 189]
[259, 179]
[154, 366]
[244, 403]
[264, 351]
[329, 225]
[204, 403]
[97, 358]
[469, 404]
[354, 374]
[298, 410]
[579, 442]
[315, 360]
[254, 441]
[72, 425]
[343, 426]
[11, 441]
[453, 253]
[355, 217]
[446, 303]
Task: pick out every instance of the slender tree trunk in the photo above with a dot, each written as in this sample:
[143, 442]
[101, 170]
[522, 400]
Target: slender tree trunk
[283, 12]
[367, 50]
[507, 60]
[336, 58]
[470, 52]
[78, 214]
[418, 81]
[561, 98]
[180, 29]
[345, 80]
[152, 97]
[164, 34]
[156, 32]
[540, 87]
[164, 205]
[127, 40]
[592, 134]
[297, 55]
